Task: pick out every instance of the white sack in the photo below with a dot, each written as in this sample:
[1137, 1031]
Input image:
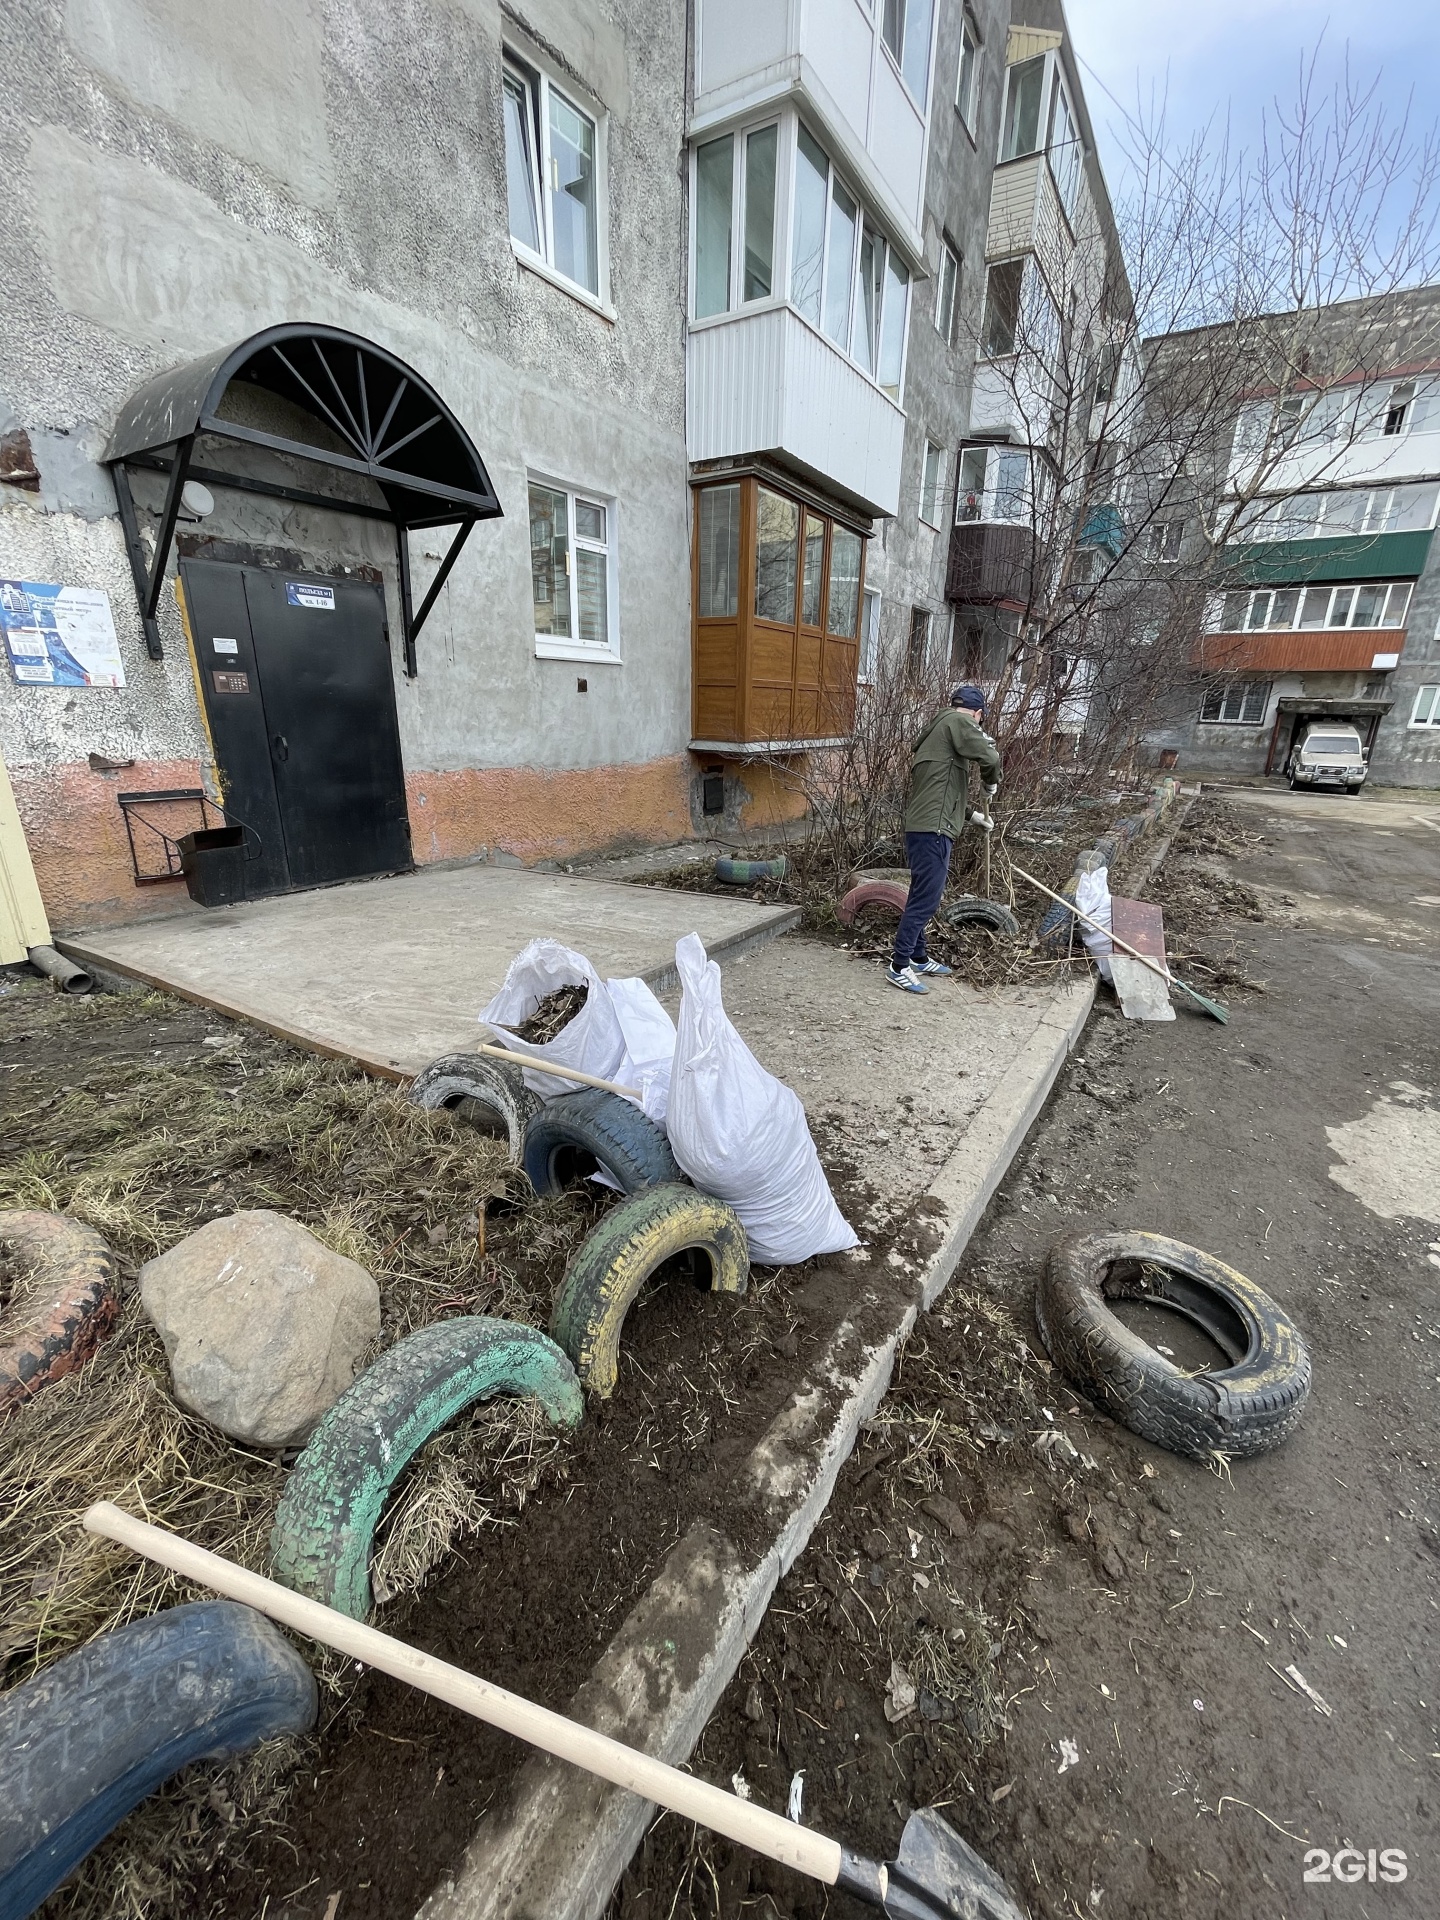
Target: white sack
[649, 1045]
[741, 1134]
[594, 1041]
[1092, 896]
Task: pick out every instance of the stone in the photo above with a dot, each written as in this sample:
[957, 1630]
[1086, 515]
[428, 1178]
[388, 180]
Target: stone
[263, 1326]
[947, 1513]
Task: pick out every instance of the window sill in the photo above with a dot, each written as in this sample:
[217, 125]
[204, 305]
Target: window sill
[546, 649]
[544, 271]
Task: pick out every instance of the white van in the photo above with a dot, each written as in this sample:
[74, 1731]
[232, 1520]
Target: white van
[1328, 754]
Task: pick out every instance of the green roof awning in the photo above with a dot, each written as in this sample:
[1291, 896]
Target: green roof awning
[1351, 556]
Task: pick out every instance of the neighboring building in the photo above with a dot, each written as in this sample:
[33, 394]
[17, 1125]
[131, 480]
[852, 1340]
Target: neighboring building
[1327, 595]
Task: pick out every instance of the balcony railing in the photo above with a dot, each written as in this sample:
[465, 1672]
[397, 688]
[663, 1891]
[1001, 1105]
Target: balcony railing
[991, 563]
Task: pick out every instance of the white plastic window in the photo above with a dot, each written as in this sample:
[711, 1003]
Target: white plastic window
[572, 572]
[554, 165]
[844, 276]
[734, 256]
[1426, 711]
[947, 287]
[1241, 703]
[967, 89]
[932, 484]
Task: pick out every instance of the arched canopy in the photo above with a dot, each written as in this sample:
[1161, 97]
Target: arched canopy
[377, 417]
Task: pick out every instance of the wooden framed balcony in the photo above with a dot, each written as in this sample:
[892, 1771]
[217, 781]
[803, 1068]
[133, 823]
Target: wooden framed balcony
[1301, 650]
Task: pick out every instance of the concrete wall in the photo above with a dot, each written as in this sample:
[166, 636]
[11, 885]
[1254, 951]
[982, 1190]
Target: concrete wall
[907, 562]
[176, 178]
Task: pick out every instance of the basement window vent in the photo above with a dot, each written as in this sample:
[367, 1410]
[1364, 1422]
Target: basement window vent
[713, 793]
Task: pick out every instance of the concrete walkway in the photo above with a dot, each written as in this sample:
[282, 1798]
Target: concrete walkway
[394, 972]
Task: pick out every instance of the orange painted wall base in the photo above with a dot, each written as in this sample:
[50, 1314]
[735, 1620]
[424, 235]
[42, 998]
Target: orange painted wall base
[531, 814]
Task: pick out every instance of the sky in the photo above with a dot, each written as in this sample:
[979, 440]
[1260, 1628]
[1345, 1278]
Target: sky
[1211, 57]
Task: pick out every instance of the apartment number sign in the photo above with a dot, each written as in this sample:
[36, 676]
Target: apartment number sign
[58, 636]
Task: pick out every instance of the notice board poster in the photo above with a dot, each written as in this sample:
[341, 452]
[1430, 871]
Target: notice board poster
[60, 636]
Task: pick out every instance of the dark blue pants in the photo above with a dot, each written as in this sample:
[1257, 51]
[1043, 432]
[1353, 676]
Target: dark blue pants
[928, 857]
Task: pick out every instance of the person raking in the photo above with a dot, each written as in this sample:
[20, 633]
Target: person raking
[934, 815]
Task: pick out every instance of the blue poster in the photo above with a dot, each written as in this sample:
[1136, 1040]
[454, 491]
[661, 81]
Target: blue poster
[60, 636]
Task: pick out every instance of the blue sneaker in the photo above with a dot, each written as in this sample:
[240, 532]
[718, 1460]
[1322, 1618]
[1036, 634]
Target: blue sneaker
[906, 979]
[936, 968]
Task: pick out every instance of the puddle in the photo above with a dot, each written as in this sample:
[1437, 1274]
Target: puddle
[1390, 1159]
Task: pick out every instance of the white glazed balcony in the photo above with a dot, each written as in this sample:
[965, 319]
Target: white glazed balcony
[767, 382]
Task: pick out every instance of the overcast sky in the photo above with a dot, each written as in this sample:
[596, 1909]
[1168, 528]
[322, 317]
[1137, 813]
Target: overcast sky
[1214, 56]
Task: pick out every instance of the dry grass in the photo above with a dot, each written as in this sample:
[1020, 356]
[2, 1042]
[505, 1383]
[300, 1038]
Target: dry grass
[117, 1111]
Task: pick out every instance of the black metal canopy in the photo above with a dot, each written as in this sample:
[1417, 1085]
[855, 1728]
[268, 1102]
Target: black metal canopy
[394, 428]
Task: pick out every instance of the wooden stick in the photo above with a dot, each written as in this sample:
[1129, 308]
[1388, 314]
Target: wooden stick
[725, 1813]
[560, 1073]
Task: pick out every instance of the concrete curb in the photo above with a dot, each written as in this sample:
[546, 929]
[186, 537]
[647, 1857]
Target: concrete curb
[664, 978]
[561, 1846]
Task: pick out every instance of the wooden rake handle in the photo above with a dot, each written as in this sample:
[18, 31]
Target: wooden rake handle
[1145, 959]
[725, 1813]
[560, 1073]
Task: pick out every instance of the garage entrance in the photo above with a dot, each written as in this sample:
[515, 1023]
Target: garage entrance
[295, 673]
[1292, 715]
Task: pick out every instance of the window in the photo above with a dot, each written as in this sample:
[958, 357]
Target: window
[917, 652]
[777, 539]
[1064, 147]
[1397, 411]
[994, 484]
[1165, 539]
[870, 635]
[718, 536]
[1382, 604]
[1289, 417]
[571, 577]
[967, 91]
[1426, 711]
[1326, 516]
[812, 581]
[970, 498]
[932, 484]
[847, 550]
[553, 155]
[1003, 284]
[947, 286]
[719, 198]
[1024, 85]
[905, 29]
[1012, 485]
[1239, 703]
[844, 276]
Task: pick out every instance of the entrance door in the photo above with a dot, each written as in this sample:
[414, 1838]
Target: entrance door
[295, 674]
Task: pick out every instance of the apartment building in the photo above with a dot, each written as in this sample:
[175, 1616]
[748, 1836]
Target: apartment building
[1326, 586]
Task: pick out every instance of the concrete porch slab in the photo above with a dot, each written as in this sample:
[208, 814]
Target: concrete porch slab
[394, 972]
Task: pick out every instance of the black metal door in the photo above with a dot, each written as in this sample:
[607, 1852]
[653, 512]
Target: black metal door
[303, 721]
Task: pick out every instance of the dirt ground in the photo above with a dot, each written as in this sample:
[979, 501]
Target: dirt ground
[1097, 1633]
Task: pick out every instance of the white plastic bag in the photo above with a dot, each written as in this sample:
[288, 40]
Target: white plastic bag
[649, 1045]
[594, 1041]
[741, 1134]
[1092, 896]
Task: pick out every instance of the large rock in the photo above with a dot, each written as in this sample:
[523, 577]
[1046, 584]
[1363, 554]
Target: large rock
[263, 1325]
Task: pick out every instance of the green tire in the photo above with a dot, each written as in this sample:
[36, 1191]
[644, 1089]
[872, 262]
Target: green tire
[613, 1262]
[337, 1490]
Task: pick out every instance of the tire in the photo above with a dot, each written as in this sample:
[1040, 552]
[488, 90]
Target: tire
[86, 1740]
[615, 1260]
[337, 1490]
[66, 1300]
[744, 873]
[572, 1135]
[890, 895]
[1243, 1409]
[490, 1094]
[1052, 936]
[972, 910]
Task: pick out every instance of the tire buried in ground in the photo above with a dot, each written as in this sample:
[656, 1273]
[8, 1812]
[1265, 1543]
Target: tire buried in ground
[60, 1302]
[87, 1739]
[1243, 1409]
[888, 896]
[613, 1262]
[973, 910]
[573, 1135]
[337, 1490]
[743, 873]
[489, 1094]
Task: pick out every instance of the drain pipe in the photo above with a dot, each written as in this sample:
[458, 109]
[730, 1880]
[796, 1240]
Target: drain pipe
[67, 976]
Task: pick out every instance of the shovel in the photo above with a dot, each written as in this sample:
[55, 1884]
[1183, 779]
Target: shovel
[1212, 1007]
[937, 1876]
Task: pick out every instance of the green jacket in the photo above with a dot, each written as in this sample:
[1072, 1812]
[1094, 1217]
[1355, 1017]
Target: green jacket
[940, 777]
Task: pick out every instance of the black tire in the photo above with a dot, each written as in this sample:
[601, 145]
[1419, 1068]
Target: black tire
[338, 1488]
[971, 909]
[1052, 936]
[1243, 1409]
[571, 1136]
[85, 1741]
[618, 1256]
[489, 1094]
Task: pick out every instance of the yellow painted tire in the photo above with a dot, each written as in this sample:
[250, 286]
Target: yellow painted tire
[613, 1262]
[1245, 1408]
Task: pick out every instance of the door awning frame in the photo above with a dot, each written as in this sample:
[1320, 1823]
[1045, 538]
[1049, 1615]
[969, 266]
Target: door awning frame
[334, 376]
